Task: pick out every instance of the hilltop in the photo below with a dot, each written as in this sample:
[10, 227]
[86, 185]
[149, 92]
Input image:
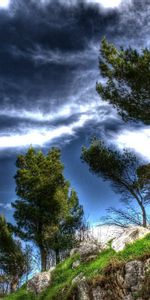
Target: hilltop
[122, 275]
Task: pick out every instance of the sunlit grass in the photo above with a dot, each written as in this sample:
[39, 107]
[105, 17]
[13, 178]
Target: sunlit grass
[63, 274]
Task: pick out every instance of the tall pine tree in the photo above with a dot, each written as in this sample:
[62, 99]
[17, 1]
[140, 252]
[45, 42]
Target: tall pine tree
[43, 198]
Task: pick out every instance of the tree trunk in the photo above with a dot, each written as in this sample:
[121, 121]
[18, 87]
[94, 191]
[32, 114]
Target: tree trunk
[43, 259]
[13, 285]
[144, 218]
[57, 256]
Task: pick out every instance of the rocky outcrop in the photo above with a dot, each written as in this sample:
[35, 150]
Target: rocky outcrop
[91, 247]
[39, 282]
[122, 282]
[105, 233]
[119, 281]
[129, 235]
[82, 287]
[98, 238]
[88, 249]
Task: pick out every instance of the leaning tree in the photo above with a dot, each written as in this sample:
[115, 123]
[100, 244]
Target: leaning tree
[126, 86]
[123, 170]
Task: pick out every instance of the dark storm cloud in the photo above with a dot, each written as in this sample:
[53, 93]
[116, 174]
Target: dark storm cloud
[49, 62]
[48, 71]
[41, 48]
[40, 43]
[44, 46]
[49, 65]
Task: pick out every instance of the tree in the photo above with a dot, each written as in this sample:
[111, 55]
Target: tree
[13, 259]
[127, 81]
[64, 235]
[122, 170]
[43, 197]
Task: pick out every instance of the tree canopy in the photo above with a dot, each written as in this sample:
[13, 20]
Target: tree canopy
[127, 81]
[123, 170]
[13, 259]
[44, 200]
[64, 237]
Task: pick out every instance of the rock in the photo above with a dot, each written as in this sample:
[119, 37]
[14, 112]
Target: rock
[82, 287]
[89, 258]
[89, 248]
[130, 235]
[105, 233]
[78, 278]
[83, 290]
[124, 283]
[99, 293]
[134, 275]
[39, 282]
[74, 251]
[98, 238]
[147, 266]
[76, 264]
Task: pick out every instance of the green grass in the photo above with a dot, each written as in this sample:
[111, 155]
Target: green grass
[21, 294]
[64, 274]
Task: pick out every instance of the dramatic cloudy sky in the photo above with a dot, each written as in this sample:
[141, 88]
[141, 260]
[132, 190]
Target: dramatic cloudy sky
[48, 71]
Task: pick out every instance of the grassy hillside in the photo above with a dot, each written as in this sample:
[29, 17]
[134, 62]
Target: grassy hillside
[64, 274]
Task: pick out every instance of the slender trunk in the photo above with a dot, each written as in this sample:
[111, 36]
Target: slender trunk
[43, 259]
[144, 218]
[13, 285]
[57, 256]
[144, 215]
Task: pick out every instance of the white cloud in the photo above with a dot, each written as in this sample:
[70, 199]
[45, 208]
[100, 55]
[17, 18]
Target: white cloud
[106, 3]
[42, 136]
[33, 137]
[64, 112]
[4, 3]
[136, 140]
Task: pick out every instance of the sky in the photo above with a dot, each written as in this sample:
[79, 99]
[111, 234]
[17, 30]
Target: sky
[49, 53]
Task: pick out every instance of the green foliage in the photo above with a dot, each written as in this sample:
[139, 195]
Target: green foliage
[143, 173]
[135, 250]
[42, 192]
[71, 222]
[108, 163]
[21, 294]
[127, 75]
[122, 169]
[45, 209]
[13, 259]
[63, 274]
[63, 237]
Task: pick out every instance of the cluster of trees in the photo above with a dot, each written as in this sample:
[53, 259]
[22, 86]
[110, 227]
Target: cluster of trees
[127, 88]
[14, 260]
[47, 213]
